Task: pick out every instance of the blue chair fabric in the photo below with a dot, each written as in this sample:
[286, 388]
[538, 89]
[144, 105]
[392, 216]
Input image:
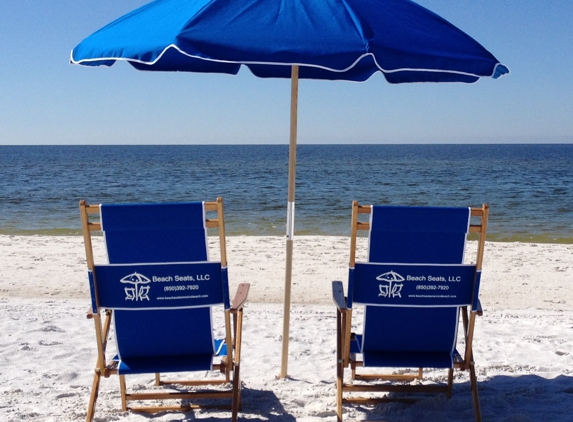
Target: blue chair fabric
[158, 290]
[413, 336]
[159, 233]
[416, 291]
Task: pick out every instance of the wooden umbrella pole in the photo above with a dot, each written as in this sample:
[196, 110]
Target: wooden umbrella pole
[290, 218]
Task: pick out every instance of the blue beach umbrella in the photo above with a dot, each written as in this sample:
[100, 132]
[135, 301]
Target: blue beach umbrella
[310, 39]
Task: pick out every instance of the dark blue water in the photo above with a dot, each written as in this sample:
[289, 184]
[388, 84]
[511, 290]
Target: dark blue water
[529, 187]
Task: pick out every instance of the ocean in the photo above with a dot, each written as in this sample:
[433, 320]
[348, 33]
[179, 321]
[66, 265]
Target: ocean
[528, 187]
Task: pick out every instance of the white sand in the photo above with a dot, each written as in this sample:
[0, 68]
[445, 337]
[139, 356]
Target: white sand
[523, 343]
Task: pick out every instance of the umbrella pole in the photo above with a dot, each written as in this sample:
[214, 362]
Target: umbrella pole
[290, 218]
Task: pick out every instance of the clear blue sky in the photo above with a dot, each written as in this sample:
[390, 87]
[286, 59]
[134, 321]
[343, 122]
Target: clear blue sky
[45, 100]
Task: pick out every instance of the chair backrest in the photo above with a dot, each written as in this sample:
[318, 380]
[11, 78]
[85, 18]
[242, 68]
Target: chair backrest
[418, 235]
[154, 232]
[412, 300]
[158, 281]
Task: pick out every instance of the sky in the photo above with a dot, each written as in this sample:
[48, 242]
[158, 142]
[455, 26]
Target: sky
[46, 100]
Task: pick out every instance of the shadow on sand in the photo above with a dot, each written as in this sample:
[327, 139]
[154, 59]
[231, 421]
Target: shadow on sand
[525, 398]
[258, 405]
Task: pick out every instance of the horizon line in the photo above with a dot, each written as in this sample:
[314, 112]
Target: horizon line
[286, 144]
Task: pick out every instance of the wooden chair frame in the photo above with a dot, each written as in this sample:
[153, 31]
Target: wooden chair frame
[345, 359]
[229, 366]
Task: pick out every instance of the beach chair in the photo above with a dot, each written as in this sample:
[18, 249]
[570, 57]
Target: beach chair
[414, 289]
[158, 292]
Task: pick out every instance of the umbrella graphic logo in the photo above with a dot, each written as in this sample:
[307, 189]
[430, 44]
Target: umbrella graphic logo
[138, 291]
[394, 286]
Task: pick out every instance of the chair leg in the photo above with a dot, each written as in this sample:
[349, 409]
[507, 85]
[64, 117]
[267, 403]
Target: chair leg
[240, 397]
[339, 366]
[93, 397]
[236, 394]
[123, 390]
[450, 382]
[339, 386]
[475, 396]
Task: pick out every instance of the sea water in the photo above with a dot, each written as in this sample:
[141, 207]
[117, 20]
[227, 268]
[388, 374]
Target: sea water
[528, 187]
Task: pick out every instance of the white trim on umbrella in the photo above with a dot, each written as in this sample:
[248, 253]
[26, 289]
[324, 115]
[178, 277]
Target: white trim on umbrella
[246, 63]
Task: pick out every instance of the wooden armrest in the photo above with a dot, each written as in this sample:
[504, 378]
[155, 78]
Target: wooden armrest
[89, 313]
[240, 296]
[338, 295]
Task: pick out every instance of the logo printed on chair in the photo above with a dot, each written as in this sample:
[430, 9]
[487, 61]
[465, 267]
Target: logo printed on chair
[171, 285]
[413, 284]
[394, 286]
[137, 292]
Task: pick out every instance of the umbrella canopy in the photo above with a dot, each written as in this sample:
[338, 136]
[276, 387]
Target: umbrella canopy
[328, 39]
[309, 39]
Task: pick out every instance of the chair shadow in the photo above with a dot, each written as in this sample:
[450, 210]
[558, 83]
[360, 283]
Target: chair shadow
[265, 404]
[523, 398]
[259, 405]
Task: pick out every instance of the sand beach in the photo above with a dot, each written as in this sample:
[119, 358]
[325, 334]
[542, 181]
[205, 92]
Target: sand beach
[523, 343]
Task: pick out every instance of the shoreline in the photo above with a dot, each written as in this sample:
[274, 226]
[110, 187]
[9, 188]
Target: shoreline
[545, 239]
